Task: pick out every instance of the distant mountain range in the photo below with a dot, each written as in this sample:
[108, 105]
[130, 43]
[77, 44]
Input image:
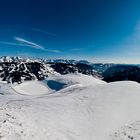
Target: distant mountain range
[17, 69]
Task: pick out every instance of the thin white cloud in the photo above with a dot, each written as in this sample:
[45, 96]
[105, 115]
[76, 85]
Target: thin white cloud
[13, 44]
[25, 43]
[34, 45]
[42, 31]
[31, 44]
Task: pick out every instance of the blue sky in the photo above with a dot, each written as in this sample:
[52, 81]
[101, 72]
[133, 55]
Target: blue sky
[97, 30]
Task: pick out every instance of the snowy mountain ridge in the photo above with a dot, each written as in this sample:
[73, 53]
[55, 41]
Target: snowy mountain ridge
[17, 59]
[17, 69]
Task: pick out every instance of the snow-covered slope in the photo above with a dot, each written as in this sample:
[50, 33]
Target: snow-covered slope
[31, 88]
[55, 83]
[85, 108]
[77, 78]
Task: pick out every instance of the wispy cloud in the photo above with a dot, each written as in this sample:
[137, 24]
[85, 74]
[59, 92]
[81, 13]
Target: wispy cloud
[26, 43]
[34, 45]
[42, 31]
[29, 43]
[13, 44]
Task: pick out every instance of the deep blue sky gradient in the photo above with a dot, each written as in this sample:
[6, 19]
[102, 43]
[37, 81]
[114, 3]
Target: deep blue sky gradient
[97, 30]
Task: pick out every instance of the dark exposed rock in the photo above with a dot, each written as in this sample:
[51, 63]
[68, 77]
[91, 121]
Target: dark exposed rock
[22, 71]
[122, 73]
[18, 72]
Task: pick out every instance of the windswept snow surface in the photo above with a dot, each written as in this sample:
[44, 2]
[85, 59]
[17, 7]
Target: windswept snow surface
[73, 79]
[84, 109]
[31, 88]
